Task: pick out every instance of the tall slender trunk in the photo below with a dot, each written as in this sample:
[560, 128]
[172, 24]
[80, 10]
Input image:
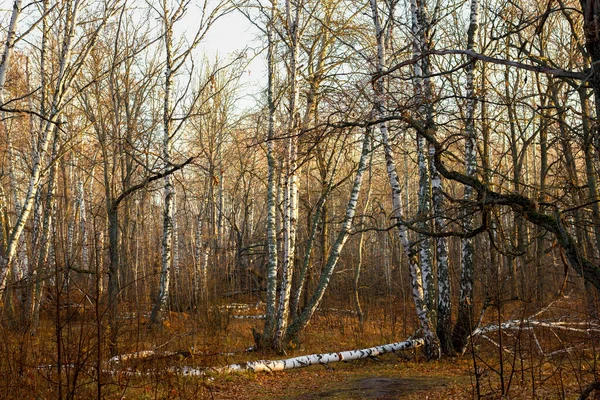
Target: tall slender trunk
[271, 187]
[41, 146]
[513, 261]
[43, 247]
[464, 320]
[334, 254]
[290, 208]
[319, 215]
[361, 242]
[425, 114]
[113, 271]
[82, 223]
[542, 198]
[9, 45]
[200, 270]
[590, 154]
[444, 299]
[431, 342]
[169, 189]
[4, 66]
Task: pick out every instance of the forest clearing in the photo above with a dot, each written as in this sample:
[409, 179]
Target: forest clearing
[299, 199]
[561, 368]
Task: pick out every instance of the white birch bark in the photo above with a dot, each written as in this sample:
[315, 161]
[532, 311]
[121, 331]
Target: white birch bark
[320, 209]
[423, 94]
[44, 240]
[444, 304]
[70, 179]
[431, 342]
[271, 189]
[200, 284]
[38, 197]
[361, 240]
[19, 265]
[168, 189]
[9, 44]
[175, 238]
[4, 66]
[42, 142]
[82, 223]
[464, 322]
[176, 58]
[316, 75]
[430, 184]
[4, 222]
[424, 211]
[306, 361]
[41, 227]
[334, 253]
[290, 214]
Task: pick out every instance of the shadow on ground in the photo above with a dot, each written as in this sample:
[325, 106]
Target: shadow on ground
[383, 388]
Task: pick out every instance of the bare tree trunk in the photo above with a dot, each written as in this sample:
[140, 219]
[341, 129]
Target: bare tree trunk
[334, 254]
[290, 208]
[361, 242]
[4, 66]
[540, 232]
[418, 30]
[42, 143]
[200, 272]
[464, 320]
[169, 189]
[9, 45]
[271, 187]
[444, 303]
[83, 223]
[431, 342]
[44, 242]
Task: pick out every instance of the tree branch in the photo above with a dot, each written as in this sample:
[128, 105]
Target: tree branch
[145, 182]
[494, 60]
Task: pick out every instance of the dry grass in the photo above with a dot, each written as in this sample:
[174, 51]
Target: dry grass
[28, 364]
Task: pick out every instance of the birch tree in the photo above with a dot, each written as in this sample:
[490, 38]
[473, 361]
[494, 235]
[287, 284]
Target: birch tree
[9, 45]
[290, 204]
[67, 70]
[465, 322]
[271, 183]
[421, 83]
[423, 312]
[170, 13]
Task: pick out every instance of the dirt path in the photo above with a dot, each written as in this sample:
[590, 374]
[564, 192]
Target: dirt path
[388, 378]
[385, 388]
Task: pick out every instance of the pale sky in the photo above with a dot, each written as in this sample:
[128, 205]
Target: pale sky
[229, 36]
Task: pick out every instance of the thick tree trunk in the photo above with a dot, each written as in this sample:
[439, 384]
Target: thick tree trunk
[444, 298]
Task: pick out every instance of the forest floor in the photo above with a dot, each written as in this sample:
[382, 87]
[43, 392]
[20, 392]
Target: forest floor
[28, 363]
[388, 377]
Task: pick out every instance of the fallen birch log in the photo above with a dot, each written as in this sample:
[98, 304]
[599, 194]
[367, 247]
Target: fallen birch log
[526, 324]
[305, 361]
